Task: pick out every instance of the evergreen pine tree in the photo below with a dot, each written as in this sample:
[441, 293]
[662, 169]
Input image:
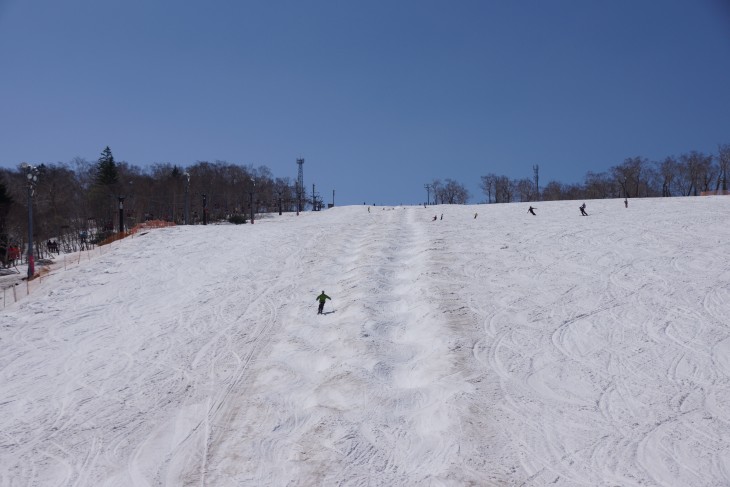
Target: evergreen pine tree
[106, 169]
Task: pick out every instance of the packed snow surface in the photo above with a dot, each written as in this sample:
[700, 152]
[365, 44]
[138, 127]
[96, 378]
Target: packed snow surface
[492, 349]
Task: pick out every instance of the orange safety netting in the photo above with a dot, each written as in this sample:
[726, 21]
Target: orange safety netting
[151, 224]
[137, 228]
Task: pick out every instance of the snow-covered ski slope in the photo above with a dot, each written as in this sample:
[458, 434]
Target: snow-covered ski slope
[506, 349]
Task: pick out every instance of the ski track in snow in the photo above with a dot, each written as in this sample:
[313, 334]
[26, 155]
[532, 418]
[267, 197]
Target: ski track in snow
[503, 350]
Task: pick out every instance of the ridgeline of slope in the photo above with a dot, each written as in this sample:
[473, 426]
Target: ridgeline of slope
[502, 349]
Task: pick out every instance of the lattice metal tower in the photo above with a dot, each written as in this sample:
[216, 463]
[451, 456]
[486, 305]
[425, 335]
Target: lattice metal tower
[300, 183]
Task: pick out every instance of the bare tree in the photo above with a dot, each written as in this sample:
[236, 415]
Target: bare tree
[723, 159]
[694, 169]
[600, 185]
[709, 172]
[487, 186]
[436, 189]
[454, 193]
[503, 189]
[285, 194]
[525, 189]
[630, 177]
[668, 171]
[56, 202]
[552, 191]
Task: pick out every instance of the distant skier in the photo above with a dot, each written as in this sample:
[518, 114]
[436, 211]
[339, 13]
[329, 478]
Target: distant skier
[626, 202]
[442, 216]
[322, 298]
[475, 215]
[368, 209]
[435, 218]
[531, 210]
[583, 209]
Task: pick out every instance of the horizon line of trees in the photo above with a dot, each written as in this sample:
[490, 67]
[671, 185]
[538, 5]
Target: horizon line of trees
[71, 199]
[690, 174]
[78, 203]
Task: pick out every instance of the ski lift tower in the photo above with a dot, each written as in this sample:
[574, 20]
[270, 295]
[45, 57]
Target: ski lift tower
[300, 183]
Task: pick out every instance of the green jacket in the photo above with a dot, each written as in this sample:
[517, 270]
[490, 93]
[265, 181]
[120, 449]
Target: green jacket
[322, 298]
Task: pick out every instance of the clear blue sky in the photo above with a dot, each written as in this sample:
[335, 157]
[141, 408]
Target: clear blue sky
[378, 96]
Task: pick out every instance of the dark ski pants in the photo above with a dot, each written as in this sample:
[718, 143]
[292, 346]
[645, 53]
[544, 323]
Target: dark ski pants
[321, 307]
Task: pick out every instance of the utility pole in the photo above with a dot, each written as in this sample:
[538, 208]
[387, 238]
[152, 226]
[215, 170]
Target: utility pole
[253, 189]
[333, 198]
[428, 193]
[32, 179]
[300, 184]
[536, 171]
[121, 214]
[187, 198]
[205, 209]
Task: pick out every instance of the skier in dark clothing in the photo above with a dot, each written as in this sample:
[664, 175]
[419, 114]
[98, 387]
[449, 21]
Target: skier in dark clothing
[583, 209]
[322, 298]
[531, 210]
[626, 202]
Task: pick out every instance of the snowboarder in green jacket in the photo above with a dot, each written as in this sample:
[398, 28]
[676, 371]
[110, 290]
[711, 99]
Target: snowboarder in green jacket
[322, 298]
